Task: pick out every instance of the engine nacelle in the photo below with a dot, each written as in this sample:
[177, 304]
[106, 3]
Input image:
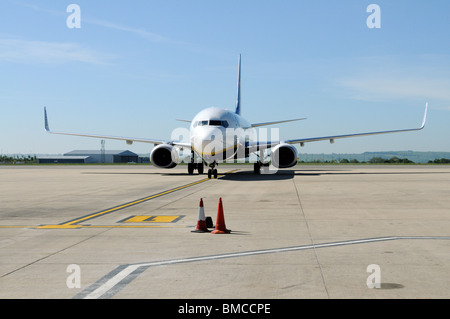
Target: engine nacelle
[284, 156]
[164, 156]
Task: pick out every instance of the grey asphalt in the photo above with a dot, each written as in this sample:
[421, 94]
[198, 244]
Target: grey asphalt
[306, 232]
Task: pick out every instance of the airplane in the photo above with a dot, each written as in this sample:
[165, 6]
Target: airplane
[217, 135]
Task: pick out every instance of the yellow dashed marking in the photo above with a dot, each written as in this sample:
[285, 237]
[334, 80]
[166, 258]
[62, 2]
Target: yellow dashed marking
[152, 219]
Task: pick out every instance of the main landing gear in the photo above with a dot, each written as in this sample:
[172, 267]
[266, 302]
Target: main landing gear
[195, 166]
[260, 163]
[257, 167]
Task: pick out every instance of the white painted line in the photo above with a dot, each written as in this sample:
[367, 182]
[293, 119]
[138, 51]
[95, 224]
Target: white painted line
[97, 293]
[118, 280]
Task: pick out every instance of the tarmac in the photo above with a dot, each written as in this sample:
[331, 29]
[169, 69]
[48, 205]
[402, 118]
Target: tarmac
[125, 232]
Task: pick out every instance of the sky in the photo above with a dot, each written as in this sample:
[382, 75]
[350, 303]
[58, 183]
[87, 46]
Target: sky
[133, 67]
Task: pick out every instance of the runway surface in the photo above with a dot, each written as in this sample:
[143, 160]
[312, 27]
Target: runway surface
[307, 232]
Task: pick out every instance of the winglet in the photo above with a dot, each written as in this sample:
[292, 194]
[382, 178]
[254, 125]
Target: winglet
[424, 116]
[46, 120]
[238, 98]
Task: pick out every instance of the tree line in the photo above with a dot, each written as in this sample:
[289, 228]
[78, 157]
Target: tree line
[440, 161]
[16, 159]
[379, 160]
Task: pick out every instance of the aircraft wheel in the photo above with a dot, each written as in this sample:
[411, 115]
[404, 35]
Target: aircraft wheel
[209, 173]
[215, 173]
[200, 168]
[190, 168]
[256, 168]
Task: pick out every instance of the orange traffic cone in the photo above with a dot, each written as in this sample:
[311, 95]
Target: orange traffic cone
[220, 223]
[201, 223]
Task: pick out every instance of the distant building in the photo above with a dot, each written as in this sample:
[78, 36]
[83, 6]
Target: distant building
[86, 156]
[64, 159]
[109, 156]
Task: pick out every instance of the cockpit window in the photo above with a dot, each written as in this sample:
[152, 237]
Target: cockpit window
[211, 123]
[215, 123]
[201, 123]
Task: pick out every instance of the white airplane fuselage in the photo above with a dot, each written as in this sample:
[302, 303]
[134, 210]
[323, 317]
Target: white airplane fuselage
[218, 134]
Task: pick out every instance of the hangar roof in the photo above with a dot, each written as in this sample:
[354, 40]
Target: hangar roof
[98, 152]
[62, 157]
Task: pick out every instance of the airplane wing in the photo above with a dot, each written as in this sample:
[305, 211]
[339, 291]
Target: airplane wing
[276, 122]
[129, 140]
[301, 141]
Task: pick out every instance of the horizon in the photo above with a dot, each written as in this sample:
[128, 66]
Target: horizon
[124, 149]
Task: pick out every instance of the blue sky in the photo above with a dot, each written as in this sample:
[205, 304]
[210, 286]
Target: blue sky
[135, 66]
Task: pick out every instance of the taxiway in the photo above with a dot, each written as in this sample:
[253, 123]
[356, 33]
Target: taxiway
[306, 232]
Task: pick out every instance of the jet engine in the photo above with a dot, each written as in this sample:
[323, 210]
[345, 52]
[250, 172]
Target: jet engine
[164, 156]
[284, 156]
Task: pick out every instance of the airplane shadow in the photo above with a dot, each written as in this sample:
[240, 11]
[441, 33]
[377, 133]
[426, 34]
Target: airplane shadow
[249, 176]
[282, 174]
[120, 173]
[236, 176]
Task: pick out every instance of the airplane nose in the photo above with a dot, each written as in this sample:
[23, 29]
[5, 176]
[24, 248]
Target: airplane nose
[209, 140]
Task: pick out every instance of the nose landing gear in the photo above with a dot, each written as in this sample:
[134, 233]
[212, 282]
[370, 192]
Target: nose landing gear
[212, 172]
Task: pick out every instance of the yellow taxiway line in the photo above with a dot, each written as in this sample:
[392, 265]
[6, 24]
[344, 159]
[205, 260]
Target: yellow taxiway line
[74, 224]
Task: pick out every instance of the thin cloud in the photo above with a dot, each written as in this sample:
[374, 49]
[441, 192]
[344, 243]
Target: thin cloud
[422, 77]
[153, 37]
[147, 35]
[45, 52]
[370, 88]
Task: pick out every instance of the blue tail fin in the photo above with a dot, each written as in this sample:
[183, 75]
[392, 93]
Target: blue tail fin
[238, 98]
